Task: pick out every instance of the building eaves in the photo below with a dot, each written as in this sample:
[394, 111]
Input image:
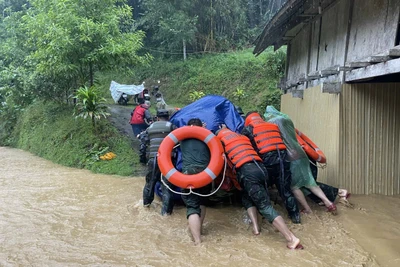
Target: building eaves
[291, 14]
[275, 28]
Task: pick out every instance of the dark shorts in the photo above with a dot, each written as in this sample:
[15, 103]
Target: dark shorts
[193, 201]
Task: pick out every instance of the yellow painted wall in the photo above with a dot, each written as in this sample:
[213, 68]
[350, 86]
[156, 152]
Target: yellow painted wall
[359, 132]
[317, 116]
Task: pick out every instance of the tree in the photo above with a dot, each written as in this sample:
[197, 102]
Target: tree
[203, 26]
[74, 38]
[170, 23]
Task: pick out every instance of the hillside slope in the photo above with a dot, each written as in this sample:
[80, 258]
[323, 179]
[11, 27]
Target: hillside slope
[246, 80]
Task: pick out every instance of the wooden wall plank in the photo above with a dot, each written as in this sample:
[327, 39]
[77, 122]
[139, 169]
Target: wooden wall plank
[315, 31]
[333, 35]
[373, 28]
[298, 55]
[376, 70]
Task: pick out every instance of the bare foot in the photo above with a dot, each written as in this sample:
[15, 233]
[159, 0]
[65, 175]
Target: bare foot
[343, 194]
[306, 211]
[255, 230]
[294, 244]
[197, 242]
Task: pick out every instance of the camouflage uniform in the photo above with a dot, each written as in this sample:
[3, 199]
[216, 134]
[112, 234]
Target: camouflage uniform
[279, 174]
[152, 177]
[279, 171]
[156, 133]
[253, 179]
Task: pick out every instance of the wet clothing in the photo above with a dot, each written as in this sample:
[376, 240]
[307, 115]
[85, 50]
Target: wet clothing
[195, 154]
[279, 175]
[144, 140]
[238, 148]
[195, 158]
[253, 179]
[153, 175]
[299, 164]
[140, 116]
[264, 138]
[251, 173]
[156, 132]
[329, 191]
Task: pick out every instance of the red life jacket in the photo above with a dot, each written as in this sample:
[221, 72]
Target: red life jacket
[230, 180]
[237, 147]
[267, 136]
[138, 115]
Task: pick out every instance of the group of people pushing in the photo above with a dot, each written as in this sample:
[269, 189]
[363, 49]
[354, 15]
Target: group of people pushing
[259, 158]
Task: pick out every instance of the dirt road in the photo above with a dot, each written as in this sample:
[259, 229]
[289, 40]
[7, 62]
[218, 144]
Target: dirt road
[120, 116]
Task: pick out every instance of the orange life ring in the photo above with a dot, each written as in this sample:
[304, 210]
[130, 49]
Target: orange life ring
[310, 148]
[193, 180]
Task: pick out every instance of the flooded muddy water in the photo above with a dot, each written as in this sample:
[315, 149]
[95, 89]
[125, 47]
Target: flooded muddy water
[52, 215]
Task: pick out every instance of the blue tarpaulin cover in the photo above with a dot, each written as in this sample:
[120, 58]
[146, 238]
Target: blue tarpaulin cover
[214, 110]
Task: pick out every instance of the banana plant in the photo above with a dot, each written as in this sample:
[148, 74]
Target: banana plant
[90, 105]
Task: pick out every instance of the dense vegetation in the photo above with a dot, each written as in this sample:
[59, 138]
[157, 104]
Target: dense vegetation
[54, 53]
[175, 28]
[50, 131]
[246, 80]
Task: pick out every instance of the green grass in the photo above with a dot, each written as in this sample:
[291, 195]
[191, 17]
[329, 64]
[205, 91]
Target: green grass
[219, 74]
[50, 131]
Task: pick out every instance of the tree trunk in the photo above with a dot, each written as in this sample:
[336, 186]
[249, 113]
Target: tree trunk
[91, 73]
[211, 26]
[94, 124]
[184, 49]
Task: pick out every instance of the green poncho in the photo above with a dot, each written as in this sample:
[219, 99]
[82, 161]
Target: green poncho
[299, 165]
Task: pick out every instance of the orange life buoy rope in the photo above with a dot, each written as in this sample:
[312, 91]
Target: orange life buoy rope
[191, 180]
[310, 148]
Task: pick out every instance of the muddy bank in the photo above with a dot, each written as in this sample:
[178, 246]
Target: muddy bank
[120, 117]
[57, 216]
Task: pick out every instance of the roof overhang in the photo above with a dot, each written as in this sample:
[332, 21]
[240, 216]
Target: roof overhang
[287, 22]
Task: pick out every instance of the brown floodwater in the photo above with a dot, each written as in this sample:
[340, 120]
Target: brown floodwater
[52, 215]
